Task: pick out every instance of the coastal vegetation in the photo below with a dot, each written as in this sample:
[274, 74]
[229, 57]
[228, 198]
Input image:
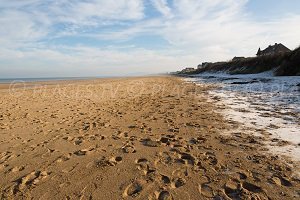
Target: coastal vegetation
[282, 63]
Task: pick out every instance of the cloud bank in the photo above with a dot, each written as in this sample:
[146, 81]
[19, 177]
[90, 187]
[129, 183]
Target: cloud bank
[121, 37]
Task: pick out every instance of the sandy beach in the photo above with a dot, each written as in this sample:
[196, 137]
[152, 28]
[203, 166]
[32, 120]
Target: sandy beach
[131, 138]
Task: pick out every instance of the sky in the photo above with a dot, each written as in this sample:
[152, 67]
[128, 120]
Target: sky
[60, 38]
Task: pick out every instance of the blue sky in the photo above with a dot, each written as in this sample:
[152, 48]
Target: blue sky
[46, 38]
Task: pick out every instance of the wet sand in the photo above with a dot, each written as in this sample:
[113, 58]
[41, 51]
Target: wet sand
[132, 138]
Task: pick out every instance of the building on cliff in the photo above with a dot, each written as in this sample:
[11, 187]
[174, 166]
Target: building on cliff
[188, 69]
[271, 50]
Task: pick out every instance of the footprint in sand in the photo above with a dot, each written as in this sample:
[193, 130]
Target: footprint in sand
[165, 140]
[133, 189]
[151, 143]
[280, 181]
[81, 152]
[17, 169]
[88, 126]
[178, 182]
[242, 175]
[141, 160]
[231, 189]
[165, 179]
[128, 149]
[29, 180]
[170, 139]
[164, 195]
[104, 162]
[188, 159]
[206, 191]
[143, 165]
[84, 152]
[251, 187]
[180, 172]
[198, 140]
[116, 159]
[101, 137]
[210, 158]
[78, 141]
[63, 158]
[147, 168]
[165, 158]
[5, 156]
[68, 138]
[123, 134]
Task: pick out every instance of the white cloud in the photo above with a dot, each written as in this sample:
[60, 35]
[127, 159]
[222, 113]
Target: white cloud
[31, 20]
[220, 29]
[88, 61]
[206, 8]
[90, 12]
[19, 27]
[197, 31]
[163, 7]
[16, 4]
[151, 26]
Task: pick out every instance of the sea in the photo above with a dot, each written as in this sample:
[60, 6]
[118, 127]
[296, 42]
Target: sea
[11, 80]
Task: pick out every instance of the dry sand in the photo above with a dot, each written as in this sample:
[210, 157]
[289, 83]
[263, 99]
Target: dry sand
[131, 138]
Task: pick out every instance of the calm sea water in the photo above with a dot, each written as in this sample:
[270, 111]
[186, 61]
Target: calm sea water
[277, 91]
[10, 80]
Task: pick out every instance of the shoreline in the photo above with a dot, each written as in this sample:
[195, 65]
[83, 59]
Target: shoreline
[280, 132]
[143, 137]
[260, 103]
[30, 83]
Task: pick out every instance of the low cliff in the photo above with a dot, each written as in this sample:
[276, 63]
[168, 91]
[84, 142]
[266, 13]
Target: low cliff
[283, 64]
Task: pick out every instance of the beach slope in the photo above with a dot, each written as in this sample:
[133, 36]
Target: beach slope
[130, 138]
